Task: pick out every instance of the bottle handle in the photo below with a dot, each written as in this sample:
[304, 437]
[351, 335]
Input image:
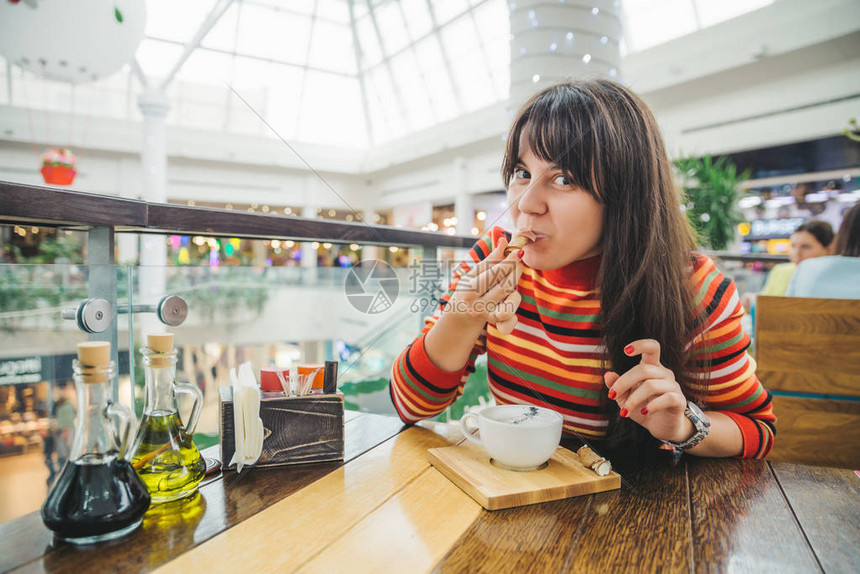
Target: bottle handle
[123, 414]
[194, 391]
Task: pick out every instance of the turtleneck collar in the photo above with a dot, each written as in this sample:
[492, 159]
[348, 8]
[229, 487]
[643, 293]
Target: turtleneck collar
[580, 275]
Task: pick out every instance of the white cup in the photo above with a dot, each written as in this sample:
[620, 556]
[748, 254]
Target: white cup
[517, 437]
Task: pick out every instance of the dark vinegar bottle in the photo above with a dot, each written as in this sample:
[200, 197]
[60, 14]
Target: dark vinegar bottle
[98, 496]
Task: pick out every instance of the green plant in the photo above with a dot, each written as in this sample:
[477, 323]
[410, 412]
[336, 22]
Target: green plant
[228, 291]
[60, 249]
[849, 132]
[475, 389]
[28, 288]
[711, 187]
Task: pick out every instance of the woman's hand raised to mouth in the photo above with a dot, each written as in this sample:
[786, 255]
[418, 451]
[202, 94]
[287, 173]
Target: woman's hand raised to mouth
[487, 293]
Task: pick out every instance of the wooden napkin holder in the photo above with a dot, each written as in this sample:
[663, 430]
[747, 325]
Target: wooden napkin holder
[296, 430]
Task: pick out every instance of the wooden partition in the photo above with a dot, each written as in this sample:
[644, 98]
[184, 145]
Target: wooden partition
[808, 353]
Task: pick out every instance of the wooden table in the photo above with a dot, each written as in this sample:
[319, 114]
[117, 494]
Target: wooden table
[386, 509]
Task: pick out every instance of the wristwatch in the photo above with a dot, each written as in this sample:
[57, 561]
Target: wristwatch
[700, 421]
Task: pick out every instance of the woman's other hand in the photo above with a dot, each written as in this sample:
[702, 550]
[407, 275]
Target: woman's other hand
[649, 394]
[487, 293]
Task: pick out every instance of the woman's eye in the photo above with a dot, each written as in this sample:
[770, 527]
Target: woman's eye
[562, 180]
[520, 173]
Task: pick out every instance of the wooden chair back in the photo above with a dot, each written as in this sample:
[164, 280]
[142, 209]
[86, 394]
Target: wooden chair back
[808, 354]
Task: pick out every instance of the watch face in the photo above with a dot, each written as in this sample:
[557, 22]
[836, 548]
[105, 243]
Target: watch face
[698, 412]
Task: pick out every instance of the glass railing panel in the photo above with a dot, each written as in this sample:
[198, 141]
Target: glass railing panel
[275, 316]
[283, 316]
[37, 346]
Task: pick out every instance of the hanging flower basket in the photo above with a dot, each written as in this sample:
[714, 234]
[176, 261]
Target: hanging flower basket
[58, 166]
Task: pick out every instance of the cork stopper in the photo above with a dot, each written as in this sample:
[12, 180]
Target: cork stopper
[94, 353]
[161, 348]
[94, 359]
[160, 342]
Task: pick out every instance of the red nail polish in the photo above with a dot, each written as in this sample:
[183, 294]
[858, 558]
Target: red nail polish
[623, 412]
[628, 349]
[644, 411]
[520, 253]
[612, 393]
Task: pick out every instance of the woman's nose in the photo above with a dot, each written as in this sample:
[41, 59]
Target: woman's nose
[530, 200]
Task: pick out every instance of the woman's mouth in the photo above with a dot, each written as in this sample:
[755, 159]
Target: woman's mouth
[526, 233]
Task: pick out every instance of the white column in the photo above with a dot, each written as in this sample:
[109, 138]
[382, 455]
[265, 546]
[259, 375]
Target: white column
[258, 247]
[552, 42]
[371, 251]
[153, 248]
[128, 186]
[309, 253]
[312, 351]
[464, 204]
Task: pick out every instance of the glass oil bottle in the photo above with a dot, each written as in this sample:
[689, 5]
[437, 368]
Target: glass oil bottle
[165, 457]
[97, 496]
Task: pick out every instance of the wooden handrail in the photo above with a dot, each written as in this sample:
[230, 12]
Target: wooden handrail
[748, 257]
[35, 205]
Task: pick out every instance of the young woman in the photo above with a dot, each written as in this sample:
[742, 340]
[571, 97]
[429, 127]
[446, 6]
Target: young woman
[607, 315]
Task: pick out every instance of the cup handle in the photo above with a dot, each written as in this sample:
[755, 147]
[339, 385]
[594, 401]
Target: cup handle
[197, 394]
[123, 414]
[464, 425]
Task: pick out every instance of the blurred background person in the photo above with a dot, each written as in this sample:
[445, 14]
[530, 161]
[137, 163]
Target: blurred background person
[811, 239]
[49, 449]
[834, 276]
[64, 423]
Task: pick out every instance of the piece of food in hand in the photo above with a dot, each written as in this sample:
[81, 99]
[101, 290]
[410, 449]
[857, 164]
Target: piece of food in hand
[594, 461]
[520, 239]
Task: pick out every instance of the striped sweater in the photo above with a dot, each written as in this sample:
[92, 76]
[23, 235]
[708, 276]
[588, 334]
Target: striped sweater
[554, 355]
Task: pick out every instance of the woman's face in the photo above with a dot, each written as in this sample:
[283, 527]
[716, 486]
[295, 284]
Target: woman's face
[566, 220]
[804, 245]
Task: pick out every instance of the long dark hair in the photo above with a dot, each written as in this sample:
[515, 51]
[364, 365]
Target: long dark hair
[848, 238]
[607, 141]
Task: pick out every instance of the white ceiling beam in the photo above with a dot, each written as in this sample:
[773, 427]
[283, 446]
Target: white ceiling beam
[138, 72]
[305, 69]
[486, 57]
[424, 83]
[437, 32]
[210, 21]
[358, 55]
[387, 63]
[256, 58]
[434, 30]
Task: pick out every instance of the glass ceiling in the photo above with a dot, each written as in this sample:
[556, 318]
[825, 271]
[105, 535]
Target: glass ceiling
[350, 73]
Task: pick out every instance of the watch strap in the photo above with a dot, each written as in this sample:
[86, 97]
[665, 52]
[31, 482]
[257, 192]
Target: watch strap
[702, 428]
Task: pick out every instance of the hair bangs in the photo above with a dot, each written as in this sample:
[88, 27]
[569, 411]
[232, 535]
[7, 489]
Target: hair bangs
[557, 126]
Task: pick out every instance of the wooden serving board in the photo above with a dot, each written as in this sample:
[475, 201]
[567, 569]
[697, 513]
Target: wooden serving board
[469, 467]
